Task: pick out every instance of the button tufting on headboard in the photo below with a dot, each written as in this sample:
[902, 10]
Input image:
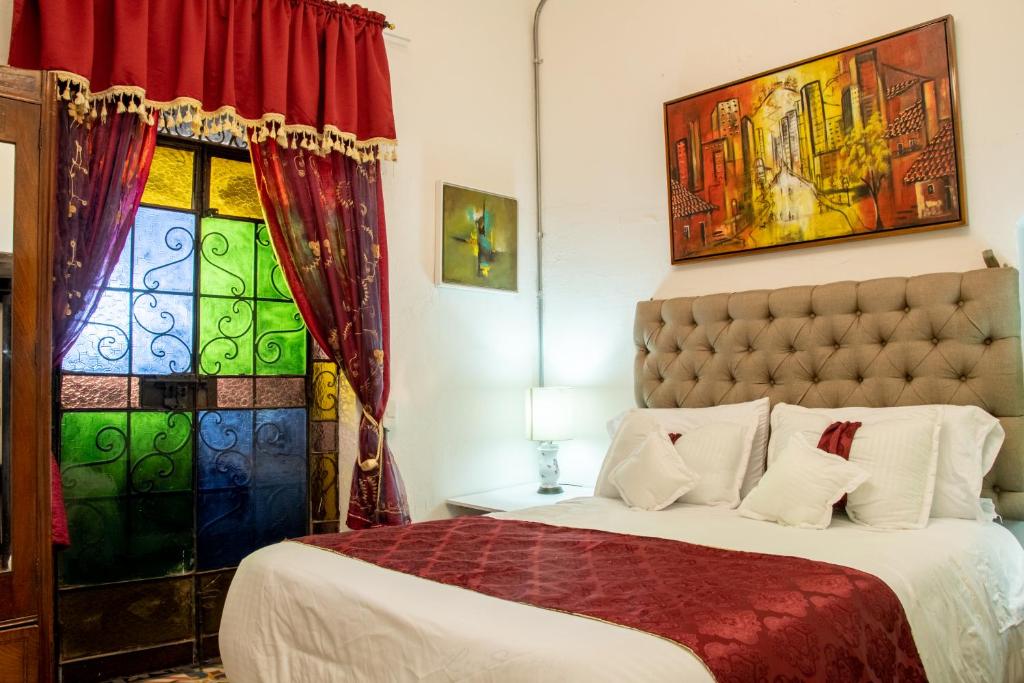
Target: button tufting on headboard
[874, 343]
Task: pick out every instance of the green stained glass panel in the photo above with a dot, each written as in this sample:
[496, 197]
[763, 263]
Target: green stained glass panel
[280, 339]
[225, 336]
[170, 178]
[137, 537]
[228, 253]
[233, 189]
[270, 280]
[94, 454]
[161, 452]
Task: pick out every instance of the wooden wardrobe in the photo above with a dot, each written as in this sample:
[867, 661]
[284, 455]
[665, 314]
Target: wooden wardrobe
[27, 154]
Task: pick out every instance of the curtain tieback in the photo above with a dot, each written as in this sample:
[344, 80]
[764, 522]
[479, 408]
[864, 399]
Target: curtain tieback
[372, 464]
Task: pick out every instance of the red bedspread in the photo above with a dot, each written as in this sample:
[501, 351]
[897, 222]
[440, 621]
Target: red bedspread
[747, 616]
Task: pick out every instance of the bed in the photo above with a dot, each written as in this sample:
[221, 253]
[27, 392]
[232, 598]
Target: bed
[297, 613]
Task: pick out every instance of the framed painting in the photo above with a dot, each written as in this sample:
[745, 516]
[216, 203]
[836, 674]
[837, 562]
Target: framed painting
[478, 239]
[860, 142]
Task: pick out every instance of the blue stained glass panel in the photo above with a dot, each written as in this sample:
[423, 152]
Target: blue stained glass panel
[246, 503]
[162, 333]
[102, 347]
[120, 277]
[164, 244]
[225, 449]
[280, 449]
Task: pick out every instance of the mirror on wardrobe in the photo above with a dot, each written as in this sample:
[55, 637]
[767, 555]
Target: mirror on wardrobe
[6, 272]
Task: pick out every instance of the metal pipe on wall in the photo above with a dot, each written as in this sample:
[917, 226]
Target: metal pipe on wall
[537, 61]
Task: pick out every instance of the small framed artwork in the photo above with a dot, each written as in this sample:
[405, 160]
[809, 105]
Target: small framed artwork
[478, 239]
[863, 141]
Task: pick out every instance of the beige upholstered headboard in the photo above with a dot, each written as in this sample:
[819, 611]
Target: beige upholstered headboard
[942, 338]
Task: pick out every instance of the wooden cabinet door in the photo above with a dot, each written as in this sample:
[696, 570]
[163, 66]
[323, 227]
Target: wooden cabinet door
[19, 655]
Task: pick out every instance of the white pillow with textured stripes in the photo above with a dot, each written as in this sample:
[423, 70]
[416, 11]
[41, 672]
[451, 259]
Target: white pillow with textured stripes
[901, 458]
[653, 477]
[801, 486]
[969, 441]
[682, 420]
[718, 453]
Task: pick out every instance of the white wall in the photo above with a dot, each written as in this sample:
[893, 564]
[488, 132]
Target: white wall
[608, 69]
[461, 359]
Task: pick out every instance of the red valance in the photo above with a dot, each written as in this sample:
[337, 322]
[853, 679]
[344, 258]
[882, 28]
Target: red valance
[311, 73]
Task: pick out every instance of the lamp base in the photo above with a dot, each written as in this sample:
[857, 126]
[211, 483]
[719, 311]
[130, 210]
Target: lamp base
[549, 468]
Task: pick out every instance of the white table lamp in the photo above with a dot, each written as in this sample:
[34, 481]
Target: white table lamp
[549, 412]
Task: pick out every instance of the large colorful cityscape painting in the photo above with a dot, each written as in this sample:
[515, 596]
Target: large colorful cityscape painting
[859, 142]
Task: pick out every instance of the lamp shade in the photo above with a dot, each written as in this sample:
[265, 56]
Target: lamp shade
[549, 414]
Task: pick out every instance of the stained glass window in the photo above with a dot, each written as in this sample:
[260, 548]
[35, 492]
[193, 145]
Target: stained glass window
[248, 323]
[165, 241]
[233, 189]
[170, 178]
[252, 482]
[177, 493]
[227, 258]
[225, 336]
[128, 485]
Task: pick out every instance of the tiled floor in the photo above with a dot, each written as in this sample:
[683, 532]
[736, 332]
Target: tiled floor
[189, 673]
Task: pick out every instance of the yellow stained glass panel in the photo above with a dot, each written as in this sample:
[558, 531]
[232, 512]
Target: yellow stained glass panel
[233, 189]
[170, 178]
[325, 392]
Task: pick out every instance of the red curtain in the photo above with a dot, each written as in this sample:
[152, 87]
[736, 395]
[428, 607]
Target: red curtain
[326, 218]
[102, 168]
[306, 81]
[311, 72]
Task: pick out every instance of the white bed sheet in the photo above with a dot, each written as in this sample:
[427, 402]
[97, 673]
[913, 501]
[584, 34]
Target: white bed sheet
[300, 614]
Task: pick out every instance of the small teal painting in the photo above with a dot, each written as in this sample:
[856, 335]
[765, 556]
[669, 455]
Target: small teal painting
[479, 239]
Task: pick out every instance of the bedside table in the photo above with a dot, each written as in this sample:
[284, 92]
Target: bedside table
[517, 497]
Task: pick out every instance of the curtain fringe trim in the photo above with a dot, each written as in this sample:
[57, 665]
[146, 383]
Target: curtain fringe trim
[84, 104]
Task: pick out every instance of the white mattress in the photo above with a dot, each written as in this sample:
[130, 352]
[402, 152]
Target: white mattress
[300, 614]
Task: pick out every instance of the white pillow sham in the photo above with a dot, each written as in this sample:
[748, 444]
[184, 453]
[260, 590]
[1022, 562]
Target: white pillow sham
[718, 453]
[653, 477]
[801, 486]
[901, 457]
[969, 442]
[682, 420]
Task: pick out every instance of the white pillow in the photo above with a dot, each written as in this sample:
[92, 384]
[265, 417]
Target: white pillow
[801, 486]
[718, 453]
[969, 442]
[902, 458]
[632, 431]
[654, 476]
[682, 420]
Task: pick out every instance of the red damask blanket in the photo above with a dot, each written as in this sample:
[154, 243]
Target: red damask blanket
[747, 616]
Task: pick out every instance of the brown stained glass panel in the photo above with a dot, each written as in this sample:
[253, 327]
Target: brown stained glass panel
[233, 189]
[325, 392]
[170, 178]
[211, 590]
[134, 391]
[323, 436]
[234, 392]
[122, 617]
[280, 392]
[331, 527]
[92, 391]
[323, 486]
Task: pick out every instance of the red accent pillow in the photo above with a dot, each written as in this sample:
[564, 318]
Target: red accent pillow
[838, 439]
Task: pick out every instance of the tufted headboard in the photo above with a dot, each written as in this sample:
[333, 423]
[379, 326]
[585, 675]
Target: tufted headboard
[942, 338]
